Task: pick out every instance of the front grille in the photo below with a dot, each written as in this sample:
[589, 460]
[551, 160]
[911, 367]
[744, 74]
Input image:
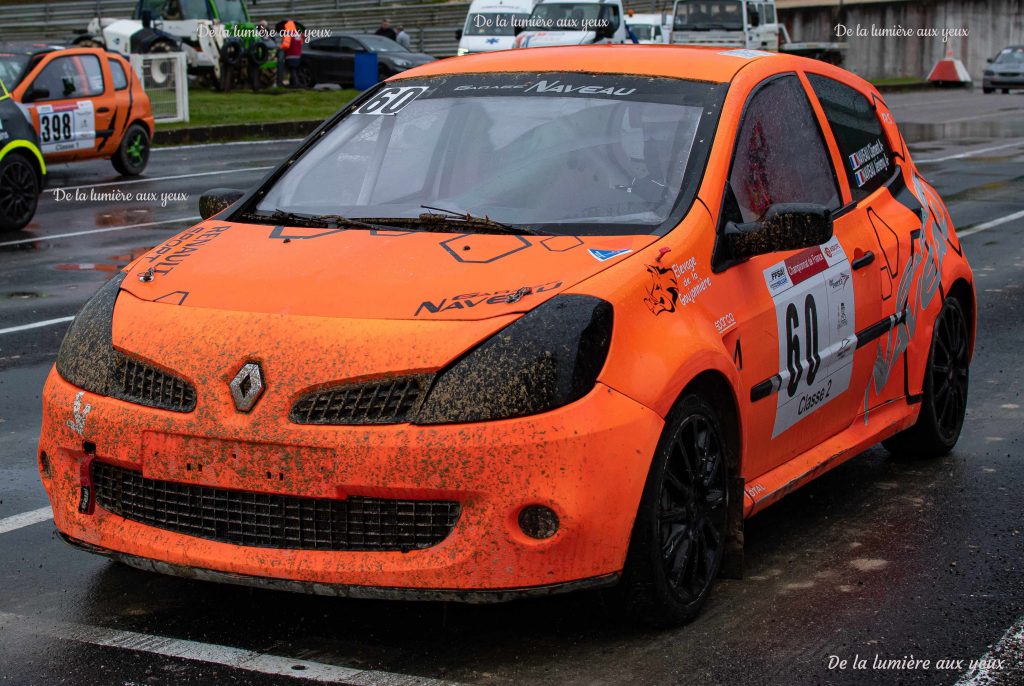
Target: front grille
[140, 383]
[385, 401]
[265, 520]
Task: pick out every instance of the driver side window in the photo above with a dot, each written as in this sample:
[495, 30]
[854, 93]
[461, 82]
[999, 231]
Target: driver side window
[780, 155]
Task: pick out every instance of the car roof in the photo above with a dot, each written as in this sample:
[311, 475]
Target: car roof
[715, 64]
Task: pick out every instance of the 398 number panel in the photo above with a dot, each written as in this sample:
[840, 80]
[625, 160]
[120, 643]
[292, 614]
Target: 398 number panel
[815, 313]
[66, 127]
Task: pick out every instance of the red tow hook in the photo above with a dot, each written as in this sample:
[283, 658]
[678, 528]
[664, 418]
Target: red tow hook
[86, 499]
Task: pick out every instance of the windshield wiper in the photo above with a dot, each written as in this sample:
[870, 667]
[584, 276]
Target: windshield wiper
[442, 215]
[326, 221]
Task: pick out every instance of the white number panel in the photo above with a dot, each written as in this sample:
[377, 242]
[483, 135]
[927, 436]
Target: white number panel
[814, 309]
[67, 127]
[391, 100]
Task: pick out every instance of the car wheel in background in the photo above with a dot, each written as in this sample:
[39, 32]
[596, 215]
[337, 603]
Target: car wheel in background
[19, 192]
[306, 77]
[679, 536]
[945, 389]
[133, 153]
[986, 91]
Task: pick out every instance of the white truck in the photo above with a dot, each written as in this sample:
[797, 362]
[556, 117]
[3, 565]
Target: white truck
[572, 22]
[750, 24]
[490, 25]
[648, 28]
[201, 28]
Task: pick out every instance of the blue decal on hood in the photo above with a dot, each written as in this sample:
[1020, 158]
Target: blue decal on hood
[605, 255]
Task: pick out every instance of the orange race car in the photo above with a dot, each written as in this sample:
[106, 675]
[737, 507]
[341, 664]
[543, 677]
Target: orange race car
[84, 103]
[498, 329]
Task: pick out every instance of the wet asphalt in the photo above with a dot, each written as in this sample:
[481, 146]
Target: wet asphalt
[880, 557]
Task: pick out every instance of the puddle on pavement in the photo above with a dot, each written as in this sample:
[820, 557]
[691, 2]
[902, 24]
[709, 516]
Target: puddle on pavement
[915, 132]
[116, 262]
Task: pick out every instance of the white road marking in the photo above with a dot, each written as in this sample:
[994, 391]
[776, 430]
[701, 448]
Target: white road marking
[153, 179]
[190, 220]
[35, 325]
[969, 153]
[1009, 651]
[221, 145]
[210, 653]
[25, 519]
[990, 224]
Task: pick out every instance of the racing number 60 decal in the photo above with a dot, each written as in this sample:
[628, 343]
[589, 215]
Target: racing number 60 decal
[814, 308]
[391, 100]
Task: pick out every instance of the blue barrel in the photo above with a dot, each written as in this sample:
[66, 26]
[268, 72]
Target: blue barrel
[365, 70]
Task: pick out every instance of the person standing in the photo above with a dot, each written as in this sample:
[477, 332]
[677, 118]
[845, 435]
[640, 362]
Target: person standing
[386, 30]
[291, 46]
[403, 38]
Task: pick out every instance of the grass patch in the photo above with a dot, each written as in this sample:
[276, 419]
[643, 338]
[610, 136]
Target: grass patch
[209, 108]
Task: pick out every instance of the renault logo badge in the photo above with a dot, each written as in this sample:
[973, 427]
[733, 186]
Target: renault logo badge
[247, 386]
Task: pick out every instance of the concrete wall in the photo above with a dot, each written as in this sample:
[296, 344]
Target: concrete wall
[992, 25]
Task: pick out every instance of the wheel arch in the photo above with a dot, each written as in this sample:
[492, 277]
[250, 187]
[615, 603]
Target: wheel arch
[963, 291]
[30, 152]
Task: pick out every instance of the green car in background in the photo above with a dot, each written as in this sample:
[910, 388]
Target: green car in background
[22, 169]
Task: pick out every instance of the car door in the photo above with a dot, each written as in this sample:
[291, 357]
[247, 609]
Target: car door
[120, 103]
[798, 315]
[871, 172]
[321, 57]
[347, 59]
[67, 105]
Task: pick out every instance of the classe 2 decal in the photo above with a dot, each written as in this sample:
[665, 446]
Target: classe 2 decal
[815, 313]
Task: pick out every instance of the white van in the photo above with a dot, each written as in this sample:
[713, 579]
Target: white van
[573, 22]
[649, 28]
[490, 25]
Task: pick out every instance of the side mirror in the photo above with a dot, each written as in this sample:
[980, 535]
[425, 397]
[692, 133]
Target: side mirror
[147, 19]
[458, 34]
[35, 93]
[217, 200]
[604, 31]
[518, 29]
[785, 226]
[754, 18]
[990, 60]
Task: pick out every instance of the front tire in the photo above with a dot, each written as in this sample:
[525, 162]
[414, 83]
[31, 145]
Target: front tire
[19, 192]
[679, 536]
[132, 154]
[944, 404]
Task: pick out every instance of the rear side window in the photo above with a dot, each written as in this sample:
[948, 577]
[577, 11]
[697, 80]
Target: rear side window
[867, 157]
[120, 78]
[75, 76]
[780, 154]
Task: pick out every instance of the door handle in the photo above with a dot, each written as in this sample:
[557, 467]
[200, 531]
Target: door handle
[103, 110]
[864, 260]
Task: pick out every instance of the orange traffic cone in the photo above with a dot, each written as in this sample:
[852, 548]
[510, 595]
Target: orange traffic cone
[949, 70]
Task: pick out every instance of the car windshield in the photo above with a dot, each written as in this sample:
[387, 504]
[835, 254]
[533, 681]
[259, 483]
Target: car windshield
[566, 16]
[490, 24]
[1011, 56]
[562, 153]
[699, 15]
[381, 44]
[12, 67]
[645, 31]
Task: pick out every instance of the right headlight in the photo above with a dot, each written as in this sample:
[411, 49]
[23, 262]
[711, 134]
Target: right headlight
[549, 357]
[87, 359]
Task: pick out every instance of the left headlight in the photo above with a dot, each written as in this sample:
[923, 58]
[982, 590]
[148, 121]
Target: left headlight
[547, 358]
[87, 359]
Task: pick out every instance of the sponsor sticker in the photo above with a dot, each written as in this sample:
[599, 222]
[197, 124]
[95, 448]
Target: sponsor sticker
[605, 255]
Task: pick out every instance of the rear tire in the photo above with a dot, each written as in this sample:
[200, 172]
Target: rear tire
[19, 192]
[679, 536]
[132, 154]
[988, 91]
[945, 389]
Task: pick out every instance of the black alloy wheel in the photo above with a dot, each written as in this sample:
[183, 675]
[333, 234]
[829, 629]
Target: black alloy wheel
[19, 192]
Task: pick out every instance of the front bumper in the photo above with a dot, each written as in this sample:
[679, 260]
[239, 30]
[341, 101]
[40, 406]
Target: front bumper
[587, 461]
[1003, 81]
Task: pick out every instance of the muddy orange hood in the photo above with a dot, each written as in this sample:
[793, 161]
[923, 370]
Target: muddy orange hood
[365, 274]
